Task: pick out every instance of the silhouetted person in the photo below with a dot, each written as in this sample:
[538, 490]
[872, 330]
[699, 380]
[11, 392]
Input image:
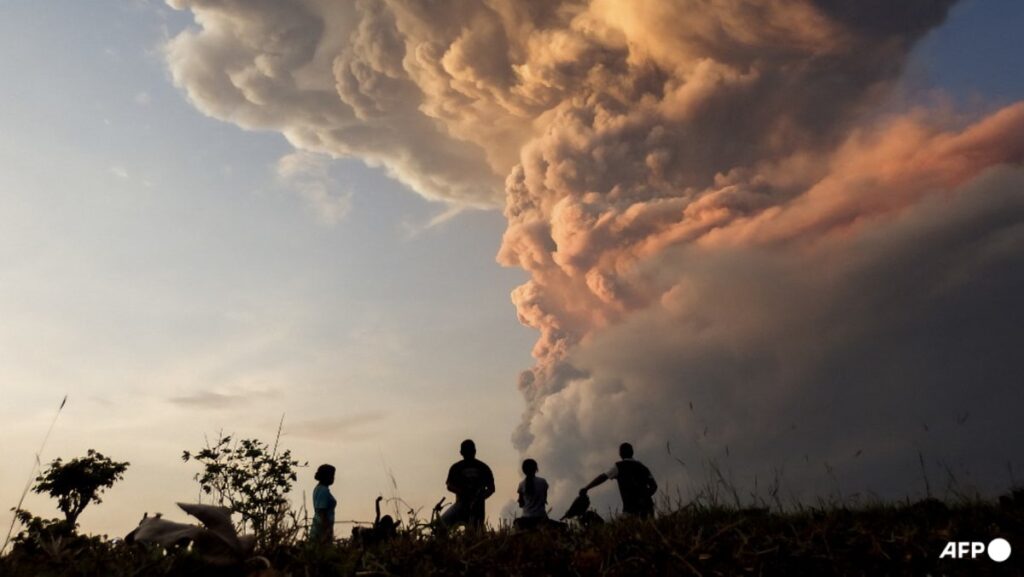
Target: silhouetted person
[322, 529]
[472, 482]
[636, 484]
[580, 510]
[384, 528]
[533, 498]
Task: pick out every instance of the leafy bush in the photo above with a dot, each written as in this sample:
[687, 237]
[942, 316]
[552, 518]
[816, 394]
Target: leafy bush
[79, 482]
[252, 479]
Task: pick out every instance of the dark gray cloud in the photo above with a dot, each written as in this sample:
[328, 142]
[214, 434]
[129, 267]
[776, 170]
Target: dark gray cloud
[859, 357]
[906, 19]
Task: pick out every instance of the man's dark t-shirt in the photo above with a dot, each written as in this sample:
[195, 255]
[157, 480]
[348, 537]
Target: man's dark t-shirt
[470, 479]
[472, 482]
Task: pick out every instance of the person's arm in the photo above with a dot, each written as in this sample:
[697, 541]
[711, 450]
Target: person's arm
[597, 481]
[454, 481]
[451, 483]
[488, 483]
[652, 485]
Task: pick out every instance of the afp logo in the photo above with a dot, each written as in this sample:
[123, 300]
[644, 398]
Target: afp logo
[998, 550]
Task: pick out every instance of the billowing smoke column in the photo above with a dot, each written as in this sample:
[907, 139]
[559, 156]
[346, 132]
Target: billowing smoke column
[740, 250]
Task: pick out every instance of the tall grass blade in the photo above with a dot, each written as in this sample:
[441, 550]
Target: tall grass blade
[36, 464]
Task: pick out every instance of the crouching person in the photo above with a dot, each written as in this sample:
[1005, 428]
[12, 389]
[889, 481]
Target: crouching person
[384, 528]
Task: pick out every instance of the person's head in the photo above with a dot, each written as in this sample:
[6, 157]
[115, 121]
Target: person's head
[325, 474]
[626, 451]
[529, 467]
[467, 449]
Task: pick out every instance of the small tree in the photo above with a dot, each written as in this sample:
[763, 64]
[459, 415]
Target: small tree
[79, 482]
[250, 478]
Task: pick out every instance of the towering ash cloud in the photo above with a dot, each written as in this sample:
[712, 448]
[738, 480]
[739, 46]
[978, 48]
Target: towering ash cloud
[732, 252]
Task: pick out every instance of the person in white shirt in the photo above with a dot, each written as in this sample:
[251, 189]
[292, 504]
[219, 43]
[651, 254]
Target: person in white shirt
[533, 497]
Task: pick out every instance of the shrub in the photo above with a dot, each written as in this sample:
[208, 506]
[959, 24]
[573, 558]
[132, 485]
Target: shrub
[252, 479]
[79, 482]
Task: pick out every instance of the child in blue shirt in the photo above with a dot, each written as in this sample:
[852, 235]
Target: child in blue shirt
[322, 529]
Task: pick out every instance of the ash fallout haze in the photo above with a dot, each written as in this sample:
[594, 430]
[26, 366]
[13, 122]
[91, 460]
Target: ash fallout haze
[780, 238]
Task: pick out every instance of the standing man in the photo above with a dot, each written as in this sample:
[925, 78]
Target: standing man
[472, 482]
[636, 483]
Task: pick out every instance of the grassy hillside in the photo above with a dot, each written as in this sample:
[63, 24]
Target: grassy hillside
[874, 540]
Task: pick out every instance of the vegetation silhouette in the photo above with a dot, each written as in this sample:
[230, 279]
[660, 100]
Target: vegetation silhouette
[79, 482]
[253, 479]
[715, 530]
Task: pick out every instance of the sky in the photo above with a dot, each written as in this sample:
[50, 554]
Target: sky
[199, 236]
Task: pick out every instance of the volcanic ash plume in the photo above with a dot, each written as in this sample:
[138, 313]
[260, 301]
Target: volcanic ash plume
[739, 250]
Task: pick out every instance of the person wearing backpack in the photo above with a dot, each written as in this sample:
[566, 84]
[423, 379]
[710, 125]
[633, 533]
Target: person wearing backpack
[636, 483]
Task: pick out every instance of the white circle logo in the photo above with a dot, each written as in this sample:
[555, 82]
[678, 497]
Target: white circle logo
[999, 550]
